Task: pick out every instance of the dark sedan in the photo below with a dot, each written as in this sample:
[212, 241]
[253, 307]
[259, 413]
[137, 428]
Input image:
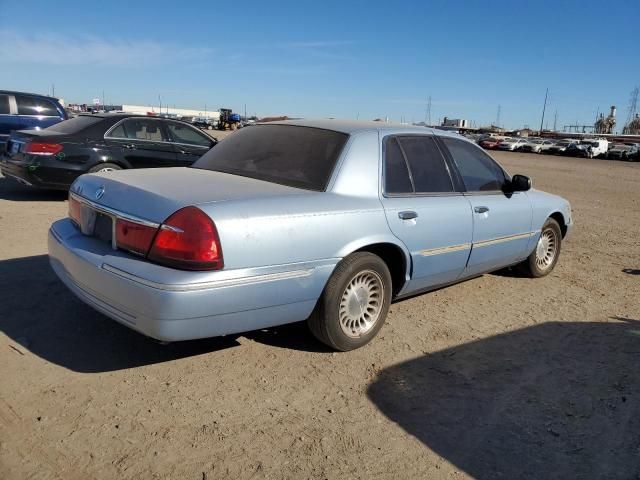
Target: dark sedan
[56, 156]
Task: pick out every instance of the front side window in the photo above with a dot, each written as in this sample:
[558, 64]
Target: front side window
[139, 129]
[35, 106]
[185, 134]
[479, 172]
[296, 156]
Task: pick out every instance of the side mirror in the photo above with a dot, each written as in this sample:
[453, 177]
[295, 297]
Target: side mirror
[519, 183]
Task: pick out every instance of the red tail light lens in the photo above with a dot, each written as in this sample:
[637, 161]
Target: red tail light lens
[134, 237]
[74, 210]
[188, 240]
[38, 148]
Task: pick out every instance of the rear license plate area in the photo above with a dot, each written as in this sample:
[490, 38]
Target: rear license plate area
[103, 229]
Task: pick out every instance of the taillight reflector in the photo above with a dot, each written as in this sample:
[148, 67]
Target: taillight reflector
[74, 210]
[134, 237]
[188, 240]
[40, 148]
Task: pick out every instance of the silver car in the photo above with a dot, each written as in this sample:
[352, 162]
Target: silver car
[327, 221]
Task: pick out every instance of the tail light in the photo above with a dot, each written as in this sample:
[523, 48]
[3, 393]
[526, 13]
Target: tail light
[74, 210]
[134, 237]
[39, 148]
[188, 240]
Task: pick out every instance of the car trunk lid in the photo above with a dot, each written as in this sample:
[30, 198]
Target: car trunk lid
[154, 194]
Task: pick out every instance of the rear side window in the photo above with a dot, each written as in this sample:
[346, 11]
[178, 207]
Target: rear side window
[35, 106]
[139, 129]
[414, 164]
[427, 165]
[396, 173]
[4, 105]
[186, 134]
[301, 157]
[479, 172]
[74, 125]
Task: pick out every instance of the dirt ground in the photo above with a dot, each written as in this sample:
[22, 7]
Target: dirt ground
[497, 377]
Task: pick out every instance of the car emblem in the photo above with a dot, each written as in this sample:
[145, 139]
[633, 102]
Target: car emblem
[100, 192]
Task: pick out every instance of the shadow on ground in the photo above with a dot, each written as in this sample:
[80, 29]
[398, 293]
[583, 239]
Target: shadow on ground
[38, 313]
[558, 400]
[12, 190]
[631, 271]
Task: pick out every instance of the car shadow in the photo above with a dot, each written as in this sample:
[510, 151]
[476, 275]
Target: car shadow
[631, 271]
[12, 190]
[556, 400]
[39, 314]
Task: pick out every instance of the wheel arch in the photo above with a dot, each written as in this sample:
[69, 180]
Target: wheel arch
[395, 255]
[559, 217]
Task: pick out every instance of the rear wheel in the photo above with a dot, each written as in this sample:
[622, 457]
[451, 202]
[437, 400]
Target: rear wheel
[104, 167]
[545, 256]
[354, 304]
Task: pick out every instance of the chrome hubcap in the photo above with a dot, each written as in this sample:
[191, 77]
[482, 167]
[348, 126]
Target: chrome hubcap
[361, 303]
[546, 249]
[107, 169]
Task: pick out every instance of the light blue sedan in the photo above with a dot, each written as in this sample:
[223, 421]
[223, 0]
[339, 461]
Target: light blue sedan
[327, 221]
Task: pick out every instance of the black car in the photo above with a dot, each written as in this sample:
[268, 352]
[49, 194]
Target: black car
[55, 156]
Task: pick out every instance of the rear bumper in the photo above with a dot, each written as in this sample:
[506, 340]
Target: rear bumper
[172, 305]
[47, 174]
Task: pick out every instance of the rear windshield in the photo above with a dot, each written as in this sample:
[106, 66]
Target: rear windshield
[74, 125]
[290, 155]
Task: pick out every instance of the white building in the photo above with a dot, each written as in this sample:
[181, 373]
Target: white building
[177, 112]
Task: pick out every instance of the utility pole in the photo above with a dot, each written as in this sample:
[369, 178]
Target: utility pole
[544, 108]
[555, 120]
[498, 116]
[245, 112]
[160, 102]
[103, 100]
[53, 89]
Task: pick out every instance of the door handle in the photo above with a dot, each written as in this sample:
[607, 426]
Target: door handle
[408, 215]
[481, 209]
[130, 146]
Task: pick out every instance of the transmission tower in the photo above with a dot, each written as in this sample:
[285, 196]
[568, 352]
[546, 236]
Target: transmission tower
[427, 115]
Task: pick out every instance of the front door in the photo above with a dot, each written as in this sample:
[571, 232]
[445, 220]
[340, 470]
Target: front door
[501, 222]
[189, 143]
[425, 210]
[142, 143]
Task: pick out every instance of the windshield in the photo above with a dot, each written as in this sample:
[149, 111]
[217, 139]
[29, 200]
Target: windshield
[290, 155]
[74, 125]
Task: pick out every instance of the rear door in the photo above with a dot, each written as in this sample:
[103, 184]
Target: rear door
[142, 142]
[189, 143]
[425, 209]
[501, 222]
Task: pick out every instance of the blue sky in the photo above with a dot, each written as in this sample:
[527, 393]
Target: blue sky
[347, 59]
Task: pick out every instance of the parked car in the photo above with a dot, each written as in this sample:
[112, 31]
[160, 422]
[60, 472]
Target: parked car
[27, 111]
[587, 148]
[559, 147]
[56, 156]
[204, 123]
[491, 143]
[536, 145]
[623, 151]
[512, 144]
[324, 220]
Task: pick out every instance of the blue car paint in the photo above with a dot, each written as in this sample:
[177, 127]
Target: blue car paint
[281, 244]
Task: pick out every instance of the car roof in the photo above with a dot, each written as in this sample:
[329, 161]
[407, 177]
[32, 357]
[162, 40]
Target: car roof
[39, 95]
[351, 127]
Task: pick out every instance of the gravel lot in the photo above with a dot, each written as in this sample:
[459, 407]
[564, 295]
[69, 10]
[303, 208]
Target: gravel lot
[498, 377]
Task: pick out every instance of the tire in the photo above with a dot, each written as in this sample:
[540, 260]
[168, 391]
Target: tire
[104, 167]
[338, 319]
[544, 257]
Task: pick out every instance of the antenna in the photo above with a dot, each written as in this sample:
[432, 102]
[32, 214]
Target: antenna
[427, 115]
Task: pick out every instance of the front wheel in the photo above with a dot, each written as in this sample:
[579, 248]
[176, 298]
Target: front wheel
[545, 256]
[354, 303]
